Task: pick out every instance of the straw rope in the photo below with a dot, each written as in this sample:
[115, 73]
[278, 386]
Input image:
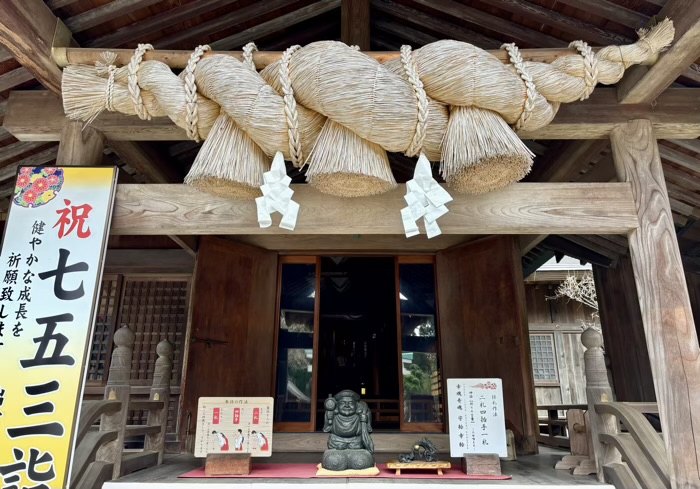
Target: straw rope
[438, 98]
[409, 66]
[192, 114]
[134, 89]
[290, 107]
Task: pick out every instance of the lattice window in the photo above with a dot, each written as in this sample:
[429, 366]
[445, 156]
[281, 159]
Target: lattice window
[101, 346]
[155, 309]
[544, 363]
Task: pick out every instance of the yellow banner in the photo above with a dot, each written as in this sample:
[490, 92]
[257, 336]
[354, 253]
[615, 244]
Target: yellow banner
[50, 268]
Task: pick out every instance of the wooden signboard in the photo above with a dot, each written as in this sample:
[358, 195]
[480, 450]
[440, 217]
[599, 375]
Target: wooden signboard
[234, 425]
[50, 268]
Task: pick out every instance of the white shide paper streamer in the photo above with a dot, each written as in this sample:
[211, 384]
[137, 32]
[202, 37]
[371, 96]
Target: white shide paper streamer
[277, 196]
[425, 198]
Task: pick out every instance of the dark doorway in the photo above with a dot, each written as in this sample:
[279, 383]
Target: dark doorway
[357, 335]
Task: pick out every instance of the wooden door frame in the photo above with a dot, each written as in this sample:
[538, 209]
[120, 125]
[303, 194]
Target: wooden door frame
[315, 259]
[405, 426]
[298, 426]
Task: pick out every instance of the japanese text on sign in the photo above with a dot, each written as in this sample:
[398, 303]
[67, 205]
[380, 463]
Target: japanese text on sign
[50, 267]
[234, 424]
[477, 422]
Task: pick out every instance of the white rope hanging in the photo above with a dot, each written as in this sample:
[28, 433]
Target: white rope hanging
[277, 196]
[426, 199]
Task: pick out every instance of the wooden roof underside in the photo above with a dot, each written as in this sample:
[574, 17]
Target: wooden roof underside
[277, 24]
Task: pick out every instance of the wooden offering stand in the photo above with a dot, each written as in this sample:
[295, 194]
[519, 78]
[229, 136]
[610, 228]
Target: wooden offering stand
[481, 464]
[399, 466]
[228, 464]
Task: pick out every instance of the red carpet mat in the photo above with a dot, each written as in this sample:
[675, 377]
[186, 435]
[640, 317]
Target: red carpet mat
[308, 471]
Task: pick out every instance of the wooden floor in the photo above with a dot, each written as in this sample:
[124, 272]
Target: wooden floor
[534, 470]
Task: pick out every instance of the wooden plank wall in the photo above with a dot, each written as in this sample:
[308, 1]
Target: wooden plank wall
[563, 320]
[232, 336]
[483, 325]
[623, 332]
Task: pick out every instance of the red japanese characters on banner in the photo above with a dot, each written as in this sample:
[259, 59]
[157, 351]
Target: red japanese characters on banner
[73, 216]
[256, 416]
[217, 416]
[237, 416]
[50, 268]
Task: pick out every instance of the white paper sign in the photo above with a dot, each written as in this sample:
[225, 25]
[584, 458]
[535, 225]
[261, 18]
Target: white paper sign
[477, 422]
[234, 425]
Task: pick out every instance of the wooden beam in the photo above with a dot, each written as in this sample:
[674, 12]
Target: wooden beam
[571, 25]
[27, 29]
[40, 158]
[679, 158]
[610, 11]
[558, 208]
[148, 261]
[234, 17]
[36, 116]
[148, 162]
[12, 78]
[177, 58]
[403, 15]
[278, 23]
[149, 25]
[80, 146]
[189, 244]
[663, 295]
[354, 23]
[105, 13]
[563, 164]
[638, 88]
[529, 241]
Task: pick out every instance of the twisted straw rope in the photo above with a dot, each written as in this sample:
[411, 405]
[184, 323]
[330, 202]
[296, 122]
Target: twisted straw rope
[134, 89]
[377, 102]
[591, 64]
[290, 108]
[192, 114]
[531, 91]
[248, 51]
[409, 66]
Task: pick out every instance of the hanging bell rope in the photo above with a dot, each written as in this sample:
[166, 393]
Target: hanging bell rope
[472, 100]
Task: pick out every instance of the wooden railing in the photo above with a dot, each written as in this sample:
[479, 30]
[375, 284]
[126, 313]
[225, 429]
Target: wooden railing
[556, 428]
[625, 449]
[99, 454]
[640, 446]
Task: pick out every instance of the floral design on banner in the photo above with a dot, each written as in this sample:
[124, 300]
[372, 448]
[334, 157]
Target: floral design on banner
[37, 186]
[425, 198]
[487, 385]
[277, 196]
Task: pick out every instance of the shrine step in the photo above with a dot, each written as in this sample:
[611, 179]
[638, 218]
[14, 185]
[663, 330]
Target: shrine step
[145, 405]
[139, 430]
[133, 461]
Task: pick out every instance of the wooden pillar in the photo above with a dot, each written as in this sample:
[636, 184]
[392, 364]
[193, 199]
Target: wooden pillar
[354, 23]
[79, 146]
[160, 391]
[623, 330]
[118, 389]
[663, 296]
[598, 391]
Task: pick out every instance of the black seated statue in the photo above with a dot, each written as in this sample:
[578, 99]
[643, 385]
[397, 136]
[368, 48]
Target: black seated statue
[349, 422]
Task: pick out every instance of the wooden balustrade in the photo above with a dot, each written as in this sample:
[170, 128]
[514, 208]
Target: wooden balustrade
[99, 454]
[555, 430]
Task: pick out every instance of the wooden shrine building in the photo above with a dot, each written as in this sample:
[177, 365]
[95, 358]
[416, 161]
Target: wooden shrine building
[346, 300]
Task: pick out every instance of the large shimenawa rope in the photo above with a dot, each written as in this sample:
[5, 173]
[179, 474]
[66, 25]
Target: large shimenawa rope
[366, 108]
